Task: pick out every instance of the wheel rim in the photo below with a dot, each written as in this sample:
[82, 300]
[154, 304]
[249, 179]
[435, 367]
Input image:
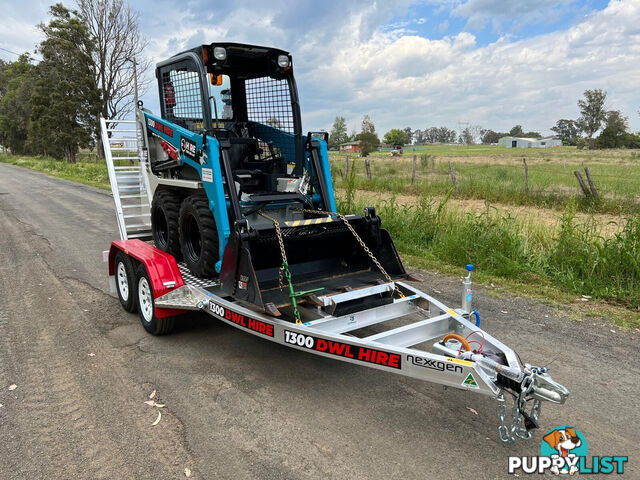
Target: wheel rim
[146, 300]
[160, 226]
[123, 281]
[192, 239]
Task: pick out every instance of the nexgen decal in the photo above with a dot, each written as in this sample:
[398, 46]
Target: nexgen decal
[240, 320]
[346, 350]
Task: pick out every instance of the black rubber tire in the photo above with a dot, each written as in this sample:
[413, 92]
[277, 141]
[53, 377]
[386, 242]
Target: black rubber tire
[165, 210]
[125, 282]
[198, 236]
[146, 306]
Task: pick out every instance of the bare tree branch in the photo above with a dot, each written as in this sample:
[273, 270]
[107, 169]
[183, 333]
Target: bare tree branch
[113, 24]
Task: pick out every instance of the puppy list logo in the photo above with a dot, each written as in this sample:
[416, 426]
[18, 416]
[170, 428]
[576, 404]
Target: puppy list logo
[563, 451]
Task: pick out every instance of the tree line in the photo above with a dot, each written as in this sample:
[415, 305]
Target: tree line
[53, 107]
[611, 126]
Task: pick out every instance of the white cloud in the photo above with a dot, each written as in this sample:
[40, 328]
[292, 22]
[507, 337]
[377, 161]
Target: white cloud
[480, 12]
[349, 61]
[419, 82]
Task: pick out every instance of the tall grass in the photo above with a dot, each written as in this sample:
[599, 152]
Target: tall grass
[501, 180]
[575, 257]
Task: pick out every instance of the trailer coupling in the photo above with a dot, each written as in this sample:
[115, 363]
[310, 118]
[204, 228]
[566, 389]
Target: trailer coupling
[534, 385]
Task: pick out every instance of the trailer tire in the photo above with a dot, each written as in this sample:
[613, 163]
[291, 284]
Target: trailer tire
[165, 210]
[147, 308]
[198, 236]
[125, 282]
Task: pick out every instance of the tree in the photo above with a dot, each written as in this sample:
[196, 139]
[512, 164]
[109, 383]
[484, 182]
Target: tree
[489, 136]
[419, 137]
[369, 140]
[15, 104]
[439, 135]
[567, 130]
[466, 136]
[113, 27]
[613, 134]
[395, 136]
[592, 111]
[65, 98]
[367, 125]
[338, 133]
[409, 133]
[516, 131]
[532, 134]
[470, 134]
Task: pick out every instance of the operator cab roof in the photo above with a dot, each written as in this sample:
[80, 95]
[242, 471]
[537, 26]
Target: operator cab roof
[243, 61]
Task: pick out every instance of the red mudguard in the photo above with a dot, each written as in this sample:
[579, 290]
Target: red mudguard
[162, 268]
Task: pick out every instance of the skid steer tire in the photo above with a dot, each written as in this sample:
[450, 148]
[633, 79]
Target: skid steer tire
[146, 305]
[125, 282]
[198, 236]
[165, 210]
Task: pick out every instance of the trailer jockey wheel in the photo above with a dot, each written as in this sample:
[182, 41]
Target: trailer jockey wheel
[146, 306]
[164, 222]
[198, 236]
[125, 281]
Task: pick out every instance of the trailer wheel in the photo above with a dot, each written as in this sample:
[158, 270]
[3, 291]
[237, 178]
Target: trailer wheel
[165, 209]
[146, 306]
[198, 236]
[125, 282]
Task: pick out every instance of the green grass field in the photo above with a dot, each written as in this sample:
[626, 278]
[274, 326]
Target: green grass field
[496, 174]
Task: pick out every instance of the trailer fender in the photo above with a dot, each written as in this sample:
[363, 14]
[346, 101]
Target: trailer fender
[162, 268]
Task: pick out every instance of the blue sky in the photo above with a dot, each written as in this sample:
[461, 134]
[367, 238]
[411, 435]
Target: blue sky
[491, 63]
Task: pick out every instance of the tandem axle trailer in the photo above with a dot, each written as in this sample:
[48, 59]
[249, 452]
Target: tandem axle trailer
[414, 335]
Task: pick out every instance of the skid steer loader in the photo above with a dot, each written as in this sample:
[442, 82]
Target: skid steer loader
[238, 189]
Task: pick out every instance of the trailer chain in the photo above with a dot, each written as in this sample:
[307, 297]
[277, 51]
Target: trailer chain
[284, 269]
[509, 432]
[362, 244]
[285, 264]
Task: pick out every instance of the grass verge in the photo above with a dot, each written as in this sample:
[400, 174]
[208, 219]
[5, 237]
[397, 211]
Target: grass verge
[94, 174]
[565, 264]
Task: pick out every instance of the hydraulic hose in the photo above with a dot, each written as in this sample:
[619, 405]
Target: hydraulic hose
[459, 338]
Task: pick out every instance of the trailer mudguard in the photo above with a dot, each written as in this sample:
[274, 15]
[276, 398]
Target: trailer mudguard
[162, 268]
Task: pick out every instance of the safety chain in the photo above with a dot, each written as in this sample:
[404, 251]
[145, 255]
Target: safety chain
[284, 268]
[362, 244]
[508, 433]
[285, 264]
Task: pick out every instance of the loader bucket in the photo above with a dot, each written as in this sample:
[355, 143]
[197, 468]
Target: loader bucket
[321, 253]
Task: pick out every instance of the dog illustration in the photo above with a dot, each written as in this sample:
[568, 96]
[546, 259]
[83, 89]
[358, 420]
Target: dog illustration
[563, 440]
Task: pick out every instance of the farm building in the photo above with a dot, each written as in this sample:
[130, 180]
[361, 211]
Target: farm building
[350, 146]
[520, 142]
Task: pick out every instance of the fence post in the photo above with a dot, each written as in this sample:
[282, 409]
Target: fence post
[526, 176]
[453, 177]
[346, 168]
[585, 190]
[413, 169]
[367, 165]
[592, 185]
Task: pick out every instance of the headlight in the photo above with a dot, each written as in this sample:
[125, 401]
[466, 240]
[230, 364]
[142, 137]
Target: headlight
[283, 61]
[219, 53]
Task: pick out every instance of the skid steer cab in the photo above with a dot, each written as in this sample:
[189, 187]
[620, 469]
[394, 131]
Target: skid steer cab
[240, 194]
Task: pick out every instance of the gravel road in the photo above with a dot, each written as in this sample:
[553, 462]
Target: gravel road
[240, 407]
